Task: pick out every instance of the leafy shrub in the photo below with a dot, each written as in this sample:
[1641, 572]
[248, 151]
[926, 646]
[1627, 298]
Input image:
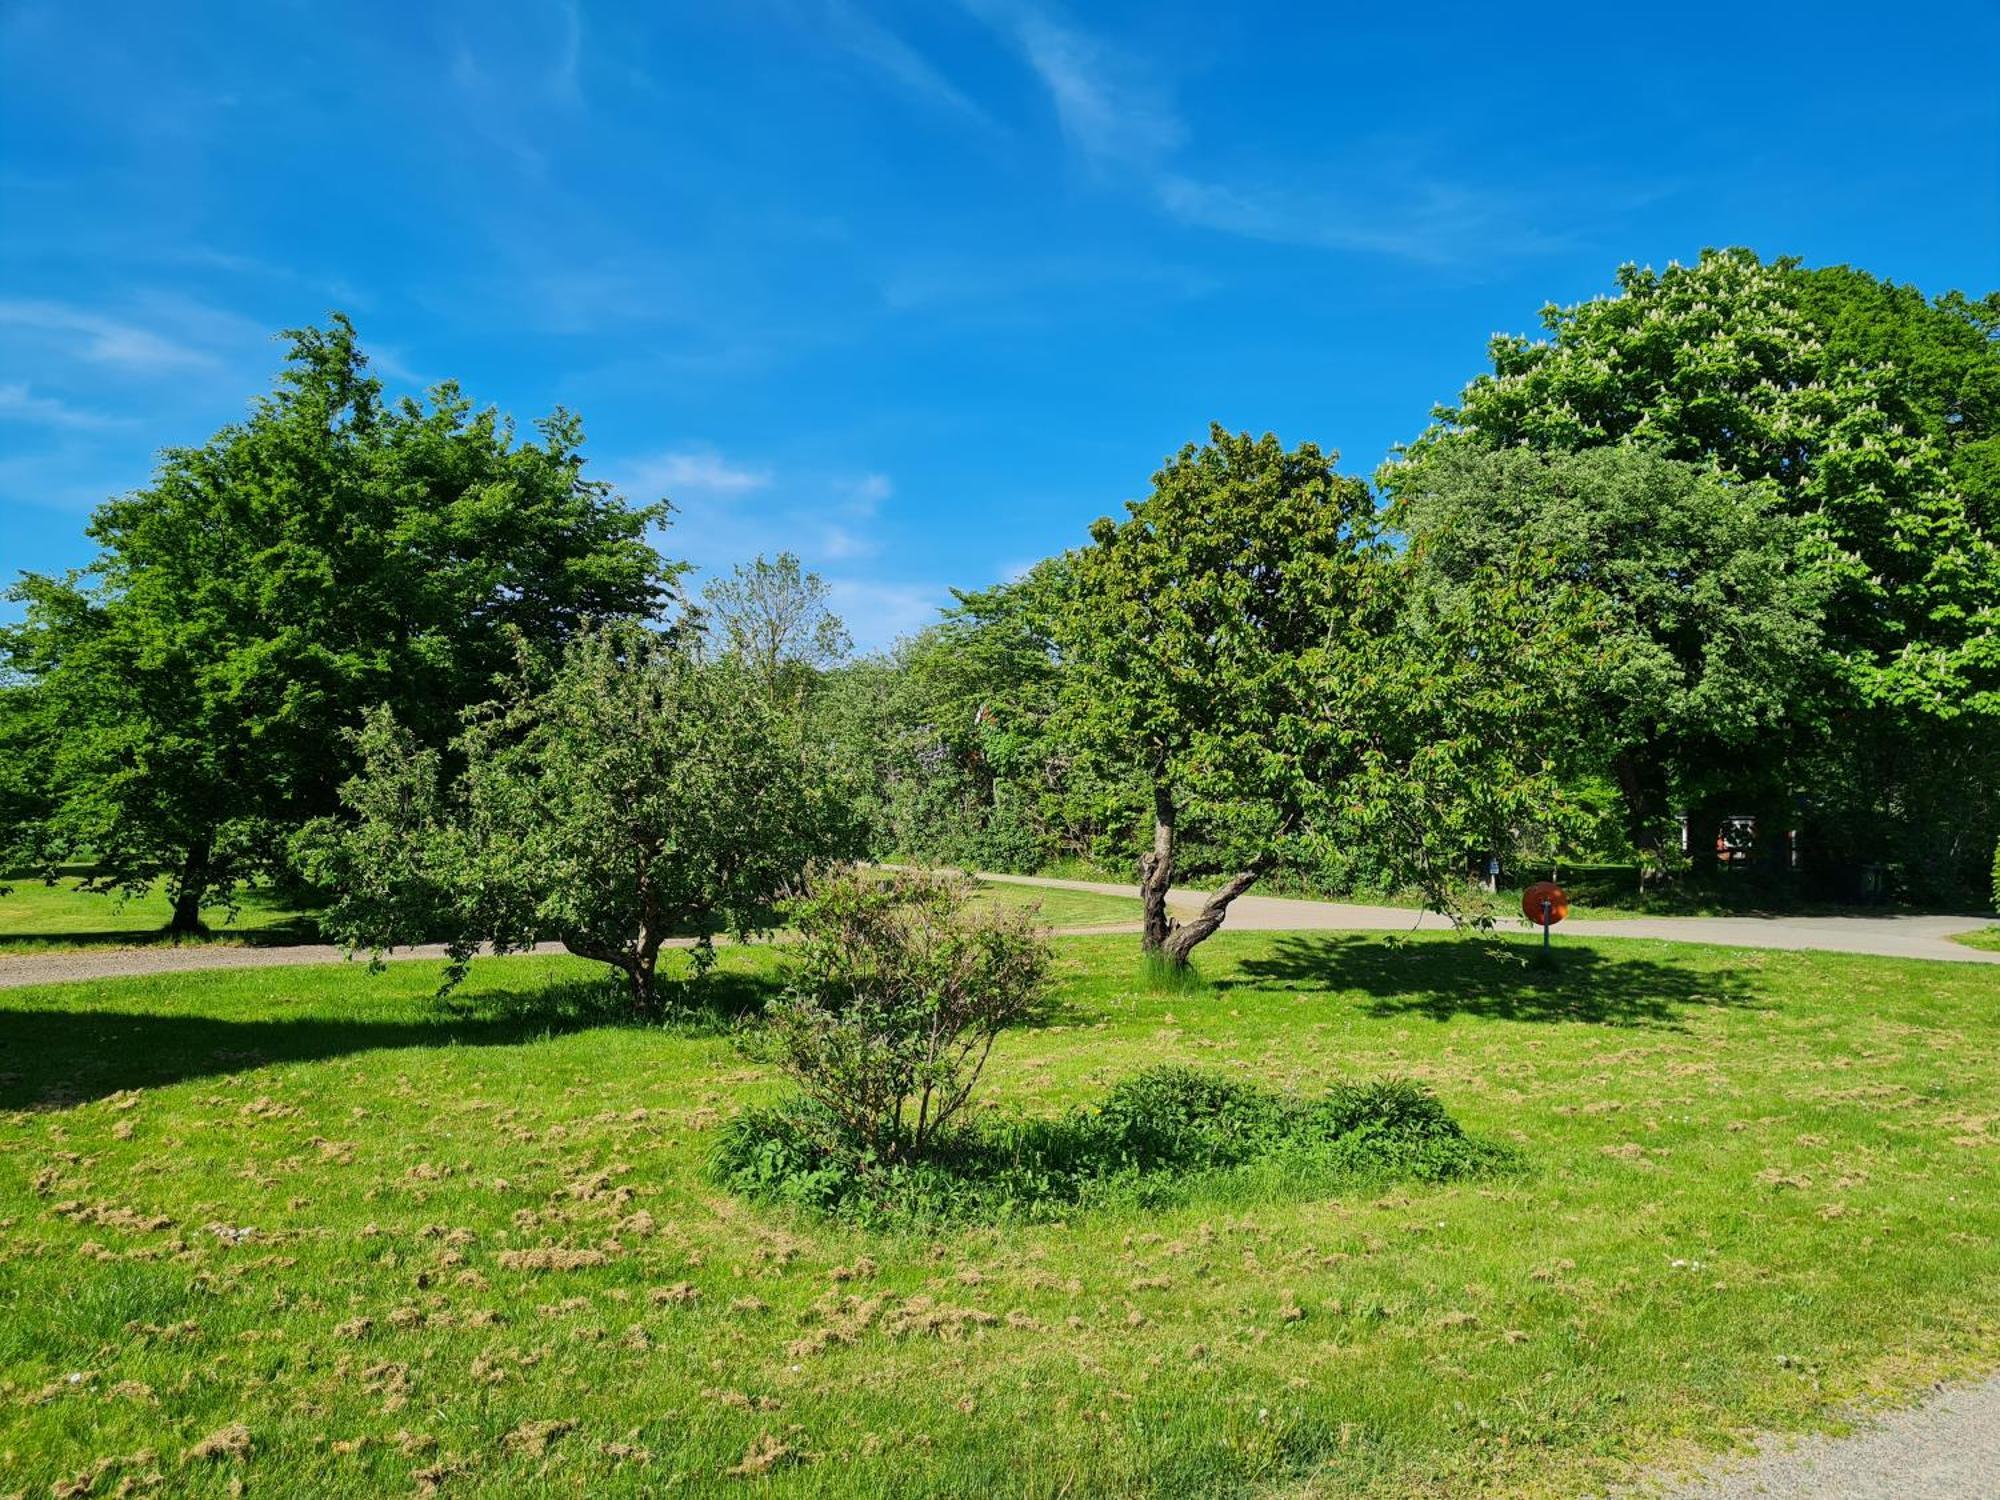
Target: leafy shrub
[1179, 1118]
[1156, 1136]
[897, 989]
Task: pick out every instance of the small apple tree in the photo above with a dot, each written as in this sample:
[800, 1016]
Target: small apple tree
[639, 793]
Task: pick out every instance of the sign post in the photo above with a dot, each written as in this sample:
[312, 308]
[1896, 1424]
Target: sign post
[1544, 903]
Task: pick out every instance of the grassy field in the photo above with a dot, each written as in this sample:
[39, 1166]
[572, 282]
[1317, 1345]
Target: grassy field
[1060, 908]
[37, 918]
[1987, 938]
[303, 1230]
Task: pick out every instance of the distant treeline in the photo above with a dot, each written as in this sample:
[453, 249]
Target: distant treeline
[1764, 500]
[1714, 551]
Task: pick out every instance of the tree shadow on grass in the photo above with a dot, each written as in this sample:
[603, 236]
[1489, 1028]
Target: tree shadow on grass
[55, 1059]
[1494, 981]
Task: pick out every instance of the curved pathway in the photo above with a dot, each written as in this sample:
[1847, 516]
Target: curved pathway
[1887, 937]
[17, 969]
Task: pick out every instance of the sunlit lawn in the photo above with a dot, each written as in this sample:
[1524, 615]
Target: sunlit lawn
[36, 917]
[410, 1251]
[1061, 908]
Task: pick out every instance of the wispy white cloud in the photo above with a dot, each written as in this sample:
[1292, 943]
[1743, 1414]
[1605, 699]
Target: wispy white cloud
[18, 403]
[1426, 221]
[71, 475]
[728, 510]
[1117, 109]
[89, 335]
[93, 390]
[1111, 106]
[983, 290]
[878, 613]
[842, 543]
[338, 290]
[864, 496]
[391, 363]
[864, 37]
[500, 77]
[566, 68]
[687, 471]
[724, 508]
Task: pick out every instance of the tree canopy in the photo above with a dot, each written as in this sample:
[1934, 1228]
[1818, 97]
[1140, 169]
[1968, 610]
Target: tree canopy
[1868, 412]
[774, 617]
[640, 794]
[1696, 604]
[333, 552]
[1721, 362]
[1204, 629]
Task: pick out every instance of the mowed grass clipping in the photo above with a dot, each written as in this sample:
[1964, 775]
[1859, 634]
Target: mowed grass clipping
[300, 1229]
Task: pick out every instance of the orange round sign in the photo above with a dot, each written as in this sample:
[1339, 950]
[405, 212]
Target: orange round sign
[1544, 903]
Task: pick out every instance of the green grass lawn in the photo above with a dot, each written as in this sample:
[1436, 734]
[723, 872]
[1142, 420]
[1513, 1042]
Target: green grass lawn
[1987, 938]
[300, 1228]
[1060, 908]
[36, 918]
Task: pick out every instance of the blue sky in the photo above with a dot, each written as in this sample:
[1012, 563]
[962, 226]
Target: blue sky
[915, 289]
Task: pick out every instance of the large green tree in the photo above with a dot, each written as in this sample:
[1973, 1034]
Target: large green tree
[332, 552]
[1937, 362]
[1721, 363]
[1698, 606]
[1206, 630]
[777, 619]
[973, 756]
[1869, 412]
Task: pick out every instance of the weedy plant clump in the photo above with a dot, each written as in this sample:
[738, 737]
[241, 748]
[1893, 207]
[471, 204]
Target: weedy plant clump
[1158, 1137]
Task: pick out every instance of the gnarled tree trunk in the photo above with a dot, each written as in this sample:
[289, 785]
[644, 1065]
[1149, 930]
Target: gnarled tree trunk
[1156, 873]
[636, 965]
[1183, 936]
[1164, 936]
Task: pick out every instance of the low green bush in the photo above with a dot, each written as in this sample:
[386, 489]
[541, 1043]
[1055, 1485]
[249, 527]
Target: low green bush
[895, 991]
[1156, 1137]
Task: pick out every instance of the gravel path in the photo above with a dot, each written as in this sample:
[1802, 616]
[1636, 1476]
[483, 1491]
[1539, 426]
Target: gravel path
[1888, 937]
[1946, 1449]
[18, 969]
